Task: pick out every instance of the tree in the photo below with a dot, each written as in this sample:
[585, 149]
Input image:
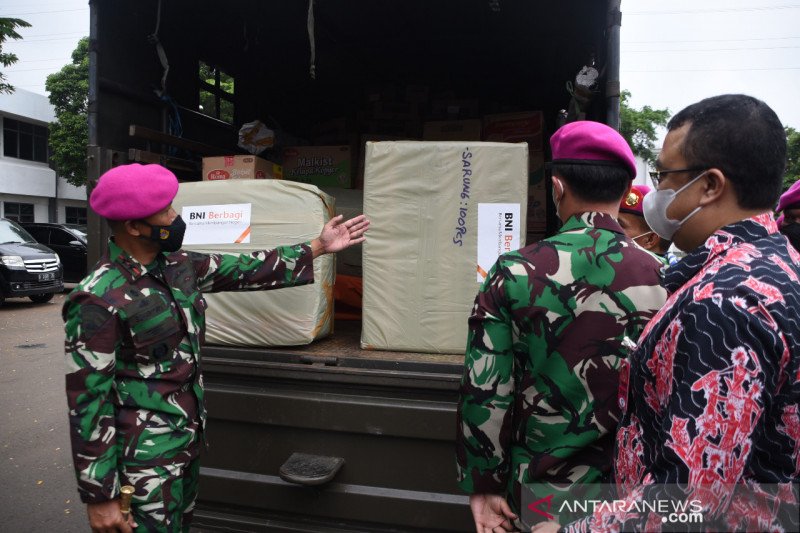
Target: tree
[792, 157]
[8, 29]
[638, 126]
[69, 134]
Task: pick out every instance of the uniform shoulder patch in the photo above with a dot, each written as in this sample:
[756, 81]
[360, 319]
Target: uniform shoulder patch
[92, 317]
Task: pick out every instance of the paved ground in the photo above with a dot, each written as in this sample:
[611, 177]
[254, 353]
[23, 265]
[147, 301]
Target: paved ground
[37, 486]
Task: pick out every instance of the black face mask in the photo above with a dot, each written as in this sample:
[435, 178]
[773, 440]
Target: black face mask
[169, 238]
[792, 232]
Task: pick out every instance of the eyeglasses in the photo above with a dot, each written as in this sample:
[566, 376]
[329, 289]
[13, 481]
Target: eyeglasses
[657, 175]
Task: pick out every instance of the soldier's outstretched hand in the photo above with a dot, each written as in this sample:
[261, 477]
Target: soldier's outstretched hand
[339, 234]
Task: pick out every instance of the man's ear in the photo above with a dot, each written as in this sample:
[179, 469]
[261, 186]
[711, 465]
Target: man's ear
[651, 241]
[715, 184]
[132, 228]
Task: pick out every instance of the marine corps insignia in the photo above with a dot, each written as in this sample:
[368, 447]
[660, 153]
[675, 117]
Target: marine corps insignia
[164, 234]
[632, 199]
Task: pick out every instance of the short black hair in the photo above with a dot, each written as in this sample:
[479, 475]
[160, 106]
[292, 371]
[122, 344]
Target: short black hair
[116, 226]
[743, 137]
[594, 183]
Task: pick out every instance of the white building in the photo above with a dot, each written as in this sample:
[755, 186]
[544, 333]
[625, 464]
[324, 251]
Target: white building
[29, 189]
[642, 172]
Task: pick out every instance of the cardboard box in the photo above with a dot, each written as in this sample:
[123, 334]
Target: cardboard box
[515, 127]
[247, 167]
[335, 131]
[405, 129]
[455, 109]
[323, 166]
[417, 93]
[537, 194]
[441, 213]
[452, 130]
[394, 111]
[380, 93]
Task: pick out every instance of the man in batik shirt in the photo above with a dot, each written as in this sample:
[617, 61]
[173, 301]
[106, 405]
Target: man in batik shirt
[713, 404]
[537, 399]
[134, 329]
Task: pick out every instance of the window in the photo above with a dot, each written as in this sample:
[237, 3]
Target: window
[19, 212]
[76, 215]
[24, 140]
[41, 234]
[60, 237]
[216, 93]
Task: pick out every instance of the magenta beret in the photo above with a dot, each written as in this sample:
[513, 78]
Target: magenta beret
[790, 197]
[585, 142]
[128, 192]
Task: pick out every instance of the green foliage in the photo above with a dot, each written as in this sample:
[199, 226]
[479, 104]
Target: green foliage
[69, 134]
[792, 157]
[638, 126]
[8, 30]
[208, 97]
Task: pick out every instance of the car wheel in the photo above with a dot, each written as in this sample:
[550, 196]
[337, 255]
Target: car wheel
[2, 297]
[41, 298]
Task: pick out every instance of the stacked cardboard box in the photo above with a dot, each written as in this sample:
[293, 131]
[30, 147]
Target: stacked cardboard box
[441, 213]
[324, 166]
[231, 167]
[452, 130]
[525, 127]
[412, 112]
[281, 213]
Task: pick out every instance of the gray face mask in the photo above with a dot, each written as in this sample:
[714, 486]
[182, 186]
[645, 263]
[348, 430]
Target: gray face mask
[655, 207]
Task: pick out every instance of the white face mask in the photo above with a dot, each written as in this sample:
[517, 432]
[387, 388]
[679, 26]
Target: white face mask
[655, 207]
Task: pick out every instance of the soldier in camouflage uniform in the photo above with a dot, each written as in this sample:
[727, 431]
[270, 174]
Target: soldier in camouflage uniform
[538, 397]
[134, 329]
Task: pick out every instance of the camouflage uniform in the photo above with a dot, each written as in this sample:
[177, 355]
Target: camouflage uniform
[538, 396]
[134, 386]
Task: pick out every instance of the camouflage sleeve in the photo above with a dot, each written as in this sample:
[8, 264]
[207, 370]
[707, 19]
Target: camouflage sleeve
[284, 266]
[486, 393]
[90, 348]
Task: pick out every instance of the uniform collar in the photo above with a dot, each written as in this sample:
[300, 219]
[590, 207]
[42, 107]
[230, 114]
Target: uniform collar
[717, 244]
[129, 265]
[591, 220]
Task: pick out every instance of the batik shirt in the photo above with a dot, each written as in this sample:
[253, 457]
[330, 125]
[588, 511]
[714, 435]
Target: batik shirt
[714, 388]
[133, 338]
[538, 396]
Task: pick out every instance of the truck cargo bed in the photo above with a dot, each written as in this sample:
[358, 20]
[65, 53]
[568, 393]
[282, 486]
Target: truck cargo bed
[390, 415]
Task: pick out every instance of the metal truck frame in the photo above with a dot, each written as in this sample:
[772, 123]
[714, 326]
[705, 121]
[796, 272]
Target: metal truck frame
[370, 434]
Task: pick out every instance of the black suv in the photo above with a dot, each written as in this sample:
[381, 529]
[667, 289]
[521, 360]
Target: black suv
[27, 268]
[68, 241]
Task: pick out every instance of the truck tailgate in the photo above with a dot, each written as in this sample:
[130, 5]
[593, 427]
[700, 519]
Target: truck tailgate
[390, 416]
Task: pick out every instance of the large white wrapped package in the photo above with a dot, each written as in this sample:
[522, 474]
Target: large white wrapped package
[282, 213]
[441, 213]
